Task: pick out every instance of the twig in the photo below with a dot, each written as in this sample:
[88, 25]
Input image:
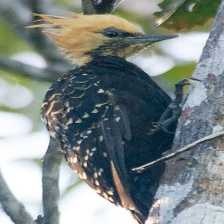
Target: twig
[144, 167]
[13, 208]
[50, 179]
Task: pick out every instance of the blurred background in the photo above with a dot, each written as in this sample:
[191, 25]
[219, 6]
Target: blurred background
[23, 138]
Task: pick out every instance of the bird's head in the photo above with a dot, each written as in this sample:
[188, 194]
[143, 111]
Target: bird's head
[83, 37]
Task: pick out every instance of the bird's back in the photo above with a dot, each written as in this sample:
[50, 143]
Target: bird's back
[102, 114]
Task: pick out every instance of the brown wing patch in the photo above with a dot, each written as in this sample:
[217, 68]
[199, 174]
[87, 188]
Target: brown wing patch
[52, 111]
[126, 200]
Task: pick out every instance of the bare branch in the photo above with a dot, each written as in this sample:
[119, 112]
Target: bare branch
[13, 208]
[50, 179]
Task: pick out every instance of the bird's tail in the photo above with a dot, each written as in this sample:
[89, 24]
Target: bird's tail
[140, 218]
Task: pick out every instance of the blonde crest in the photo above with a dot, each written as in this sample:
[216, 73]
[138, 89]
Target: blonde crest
[78, 35]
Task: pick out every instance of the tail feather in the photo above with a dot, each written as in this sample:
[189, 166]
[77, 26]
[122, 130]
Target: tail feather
[140, 218]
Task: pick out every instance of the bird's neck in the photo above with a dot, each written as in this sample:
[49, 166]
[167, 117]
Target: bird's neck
[110, 62]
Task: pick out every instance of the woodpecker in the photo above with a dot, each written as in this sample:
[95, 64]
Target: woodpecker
[103, 112]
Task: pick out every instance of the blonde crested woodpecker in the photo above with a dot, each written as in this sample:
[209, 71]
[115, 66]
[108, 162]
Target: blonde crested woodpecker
[103, 111]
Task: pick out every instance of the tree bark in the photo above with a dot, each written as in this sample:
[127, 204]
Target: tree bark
[192, 188]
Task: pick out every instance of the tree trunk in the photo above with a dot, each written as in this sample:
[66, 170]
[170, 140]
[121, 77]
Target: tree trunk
[192, 188]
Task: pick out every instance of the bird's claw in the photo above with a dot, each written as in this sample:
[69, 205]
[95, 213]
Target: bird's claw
[187, 81]
[157, 126]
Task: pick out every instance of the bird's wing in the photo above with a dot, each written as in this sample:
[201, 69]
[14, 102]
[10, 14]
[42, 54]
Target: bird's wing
[115, 128]
[92, 123]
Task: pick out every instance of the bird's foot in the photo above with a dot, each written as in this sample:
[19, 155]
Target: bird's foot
[157, 126]
[173, 111]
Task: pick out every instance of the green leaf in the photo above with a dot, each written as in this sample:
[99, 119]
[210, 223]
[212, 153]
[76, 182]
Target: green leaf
[186, 14]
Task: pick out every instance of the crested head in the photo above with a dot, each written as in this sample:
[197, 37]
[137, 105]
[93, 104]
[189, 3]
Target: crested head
[83, 37]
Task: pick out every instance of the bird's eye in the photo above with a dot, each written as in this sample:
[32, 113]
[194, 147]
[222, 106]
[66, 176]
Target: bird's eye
[111, 33]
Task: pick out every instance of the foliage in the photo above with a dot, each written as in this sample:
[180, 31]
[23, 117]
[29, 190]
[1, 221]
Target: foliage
[186, 14]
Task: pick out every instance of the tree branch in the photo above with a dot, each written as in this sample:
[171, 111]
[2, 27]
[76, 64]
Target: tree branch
[174, 154]
[50, 182]
[192, 188]
[12, 207]
[98, 6]
[35, 73]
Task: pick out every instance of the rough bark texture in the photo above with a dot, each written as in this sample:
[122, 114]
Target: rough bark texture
[192, 189]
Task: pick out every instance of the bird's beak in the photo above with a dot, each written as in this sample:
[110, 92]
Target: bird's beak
[149, 39]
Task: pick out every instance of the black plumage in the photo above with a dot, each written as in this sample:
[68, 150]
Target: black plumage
[102, 114]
